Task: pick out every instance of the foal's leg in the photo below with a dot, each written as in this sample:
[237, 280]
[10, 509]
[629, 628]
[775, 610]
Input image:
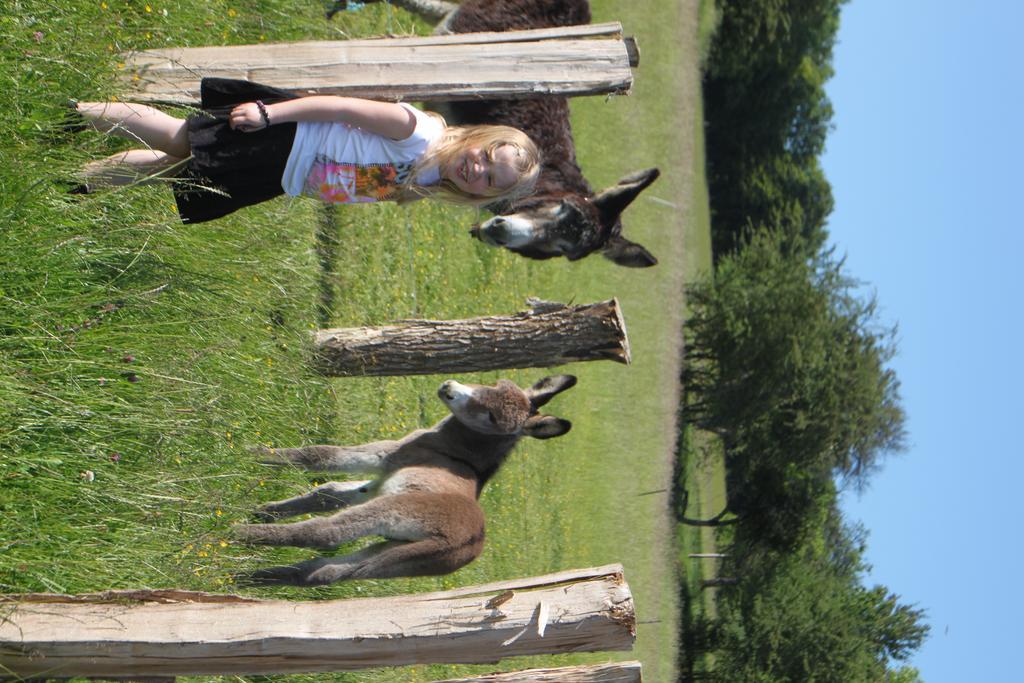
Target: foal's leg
[385, 516]
[388, 559]
[139, 122]
[319, 571]
[329, 496]
[366, 458]
[136, 166]
[429, 557]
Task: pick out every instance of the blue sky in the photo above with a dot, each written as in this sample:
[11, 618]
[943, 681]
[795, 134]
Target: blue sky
[925, 164]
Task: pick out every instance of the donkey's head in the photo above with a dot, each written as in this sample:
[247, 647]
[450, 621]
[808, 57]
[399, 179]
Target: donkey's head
[572, 225]
[505, 409]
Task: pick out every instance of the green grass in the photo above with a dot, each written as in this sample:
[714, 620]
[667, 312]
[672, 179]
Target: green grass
[139, 357]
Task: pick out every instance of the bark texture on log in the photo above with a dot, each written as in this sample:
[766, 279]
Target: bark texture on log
[566, 61]
[547, 335]
[621, 672]
[131, 636]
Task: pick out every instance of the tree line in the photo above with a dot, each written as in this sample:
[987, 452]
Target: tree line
[767, 118]
[788, 365]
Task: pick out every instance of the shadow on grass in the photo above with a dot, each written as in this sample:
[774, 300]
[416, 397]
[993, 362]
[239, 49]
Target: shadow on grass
[327, 244]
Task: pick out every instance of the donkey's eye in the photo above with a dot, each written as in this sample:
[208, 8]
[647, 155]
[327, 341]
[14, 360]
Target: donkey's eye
[490, 416]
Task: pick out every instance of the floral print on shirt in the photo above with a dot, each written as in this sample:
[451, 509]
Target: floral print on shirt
[347, 183]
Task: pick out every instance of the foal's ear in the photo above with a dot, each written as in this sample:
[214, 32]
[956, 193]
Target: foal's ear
[546, 427]
[549, 387]
[630, 254]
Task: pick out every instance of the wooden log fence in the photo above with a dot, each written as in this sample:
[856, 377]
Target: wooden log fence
[144, 634]
[619, 672]
[575, 60]
[547, 335]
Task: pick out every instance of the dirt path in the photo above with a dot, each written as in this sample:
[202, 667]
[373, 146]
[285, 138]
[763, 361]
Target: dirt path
[707, 486]
[689, 256]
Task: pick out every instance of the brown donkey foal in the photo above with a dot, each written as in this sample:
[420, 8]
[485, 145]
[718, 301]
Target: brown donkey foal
[425, 501]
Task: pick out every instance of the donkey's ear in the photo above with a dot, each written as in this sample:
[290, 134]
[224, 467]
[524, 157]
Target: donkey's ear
[614, 200]
[545, 426]
[549, 387]
[621, 251]
[644, 177]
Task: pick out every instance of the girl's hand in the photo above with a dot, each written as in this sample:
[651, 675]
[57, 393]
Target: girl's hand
[246, 118]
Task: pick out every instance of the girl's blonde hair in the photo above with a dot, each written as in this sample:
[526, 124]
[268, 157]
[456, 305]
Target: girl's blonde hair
[455, 140]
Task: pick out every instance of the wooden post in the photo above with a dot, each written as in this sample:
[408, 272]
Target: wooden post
[176, 633]
[574, 60]
[548, 334]
[620, 672]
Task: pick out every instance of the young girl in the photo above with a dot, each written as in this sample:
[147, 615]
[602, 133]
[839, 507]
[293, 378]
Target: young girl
[252, 142]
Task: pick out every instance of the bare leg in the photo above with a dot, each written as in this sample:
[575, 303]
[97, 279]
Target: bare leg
[139, 122]
[126, 168]
[430, 10]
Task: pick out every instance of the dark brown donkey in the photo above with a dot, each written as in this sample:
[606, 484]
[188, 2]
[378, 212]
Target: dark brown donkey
[424, 502]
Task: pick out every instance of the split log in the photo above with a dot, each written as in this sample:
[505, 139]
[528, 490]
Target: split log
[175, 633]
[566, 61]
[622, 672]
[547, 335]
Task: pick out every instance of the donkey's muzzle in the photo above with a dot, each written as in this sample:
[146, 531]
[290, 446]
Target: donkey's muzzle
[446, 392]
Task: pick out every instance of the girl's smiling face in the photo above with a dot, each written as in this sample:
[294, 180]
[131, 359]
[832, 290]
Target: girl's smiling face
[483, 174]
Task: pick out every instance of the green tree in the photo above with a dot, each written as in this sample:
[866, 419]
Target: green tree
[804, 616]
[904, 674]
[788, 365]
[768, 117]
[781, 349]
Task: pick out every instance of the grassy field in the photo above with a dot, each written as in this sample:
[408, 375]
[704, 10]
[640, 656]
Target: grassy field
[139, 358]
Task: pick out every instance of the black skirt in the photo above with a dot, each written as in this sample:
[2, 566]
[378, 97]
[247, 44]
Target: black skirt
[230, 169]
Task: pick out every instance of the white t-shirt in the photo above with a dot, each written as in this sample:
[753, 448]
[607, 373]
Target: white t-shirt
[341, 164]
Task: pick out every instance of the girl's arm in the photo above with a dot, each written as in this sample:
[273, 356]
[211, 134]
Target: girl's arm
[381, 118]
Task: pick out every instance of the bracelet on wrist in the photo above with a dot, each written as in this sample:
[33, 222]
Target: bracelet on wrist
[263, 113]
